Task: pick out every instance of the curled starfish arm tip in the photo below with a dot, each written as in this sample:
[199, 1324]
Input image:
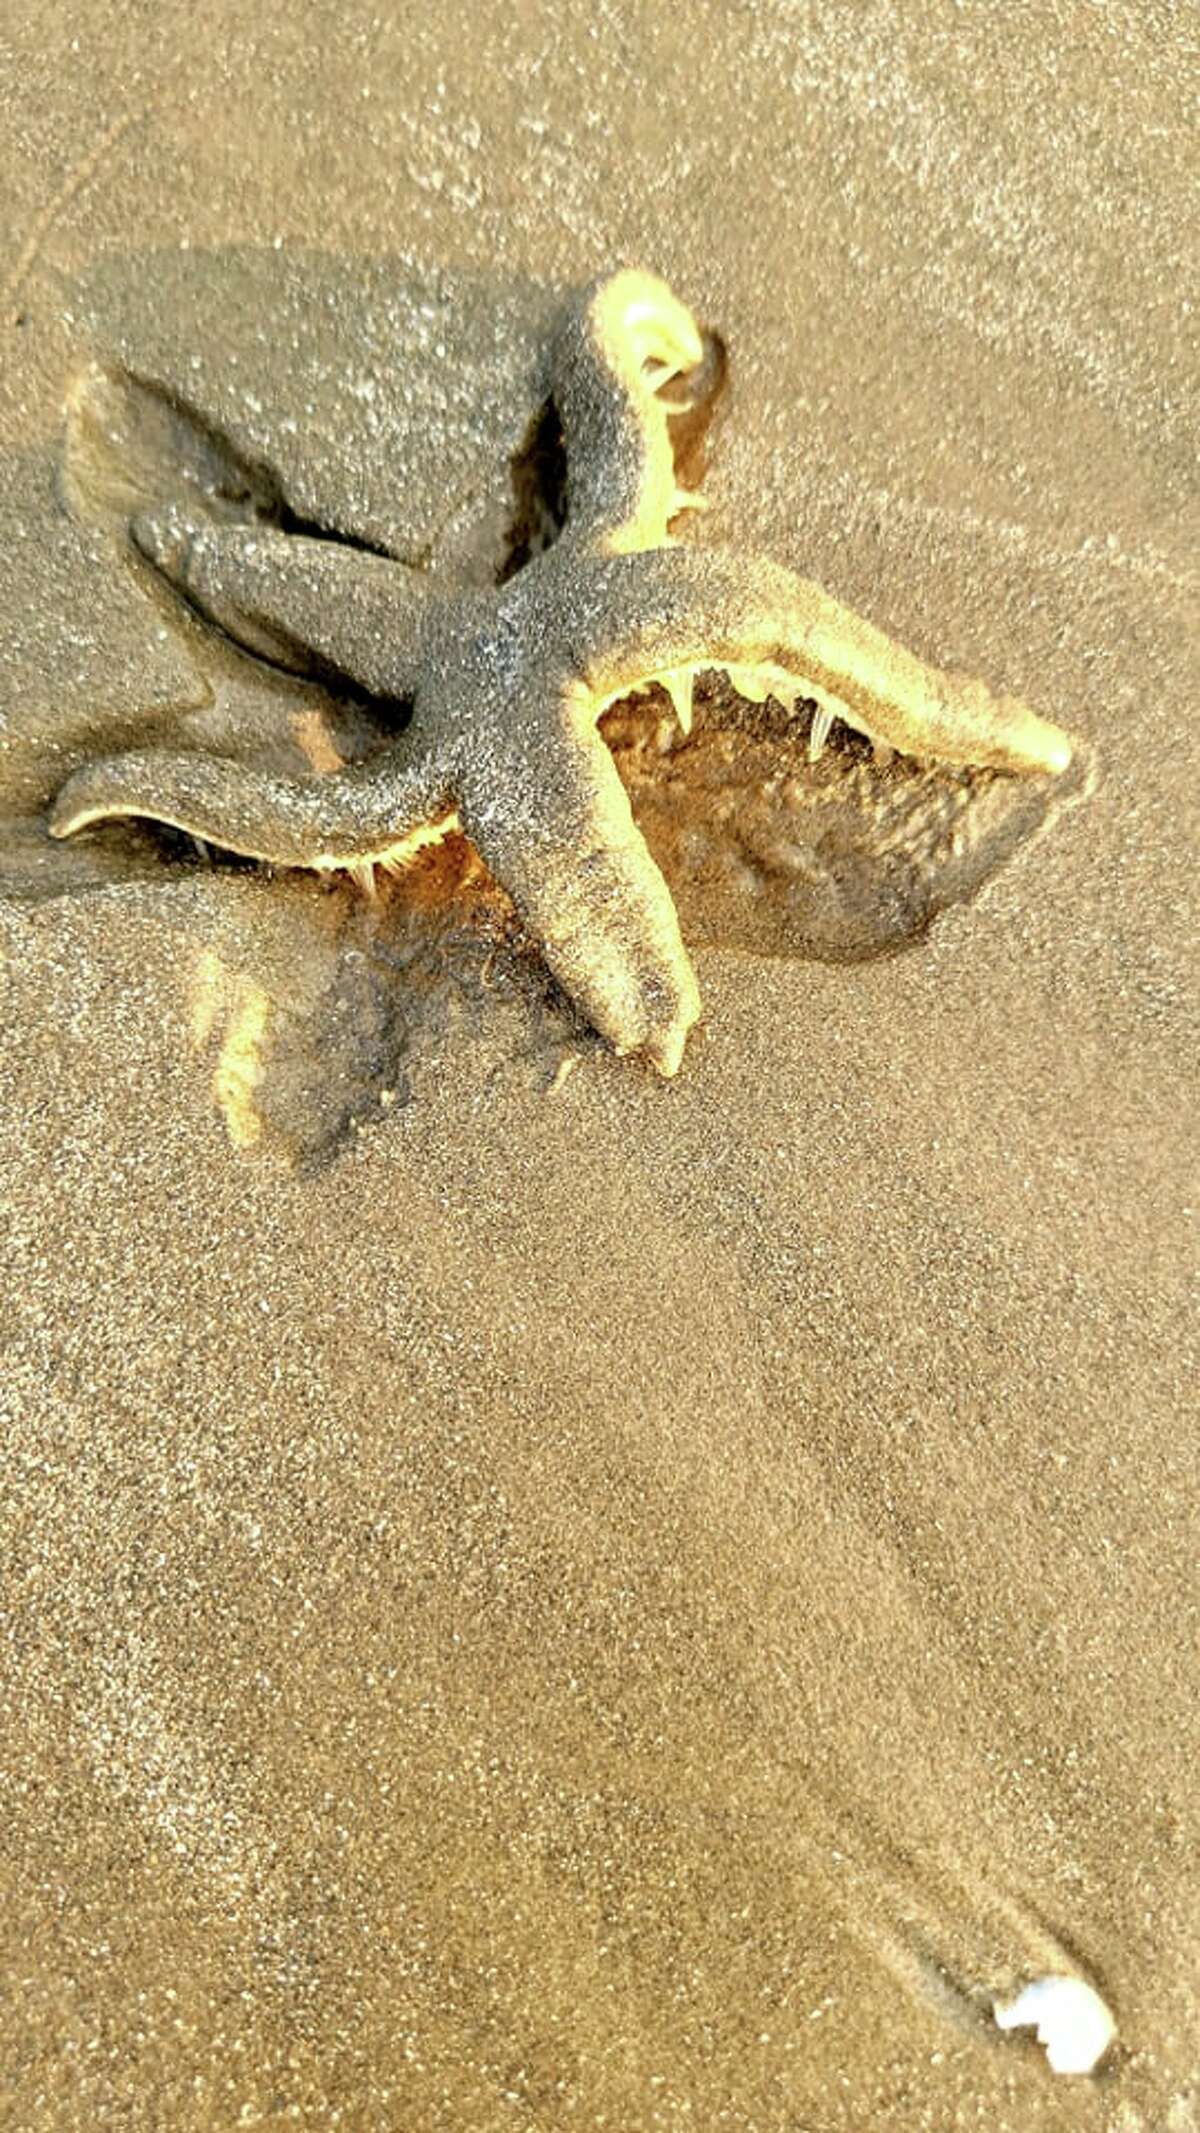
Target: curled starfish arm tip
[620, 341]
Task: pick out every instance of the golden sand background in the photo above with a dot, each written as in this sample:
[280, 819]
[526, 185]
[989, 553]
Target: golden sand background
[633, 1607]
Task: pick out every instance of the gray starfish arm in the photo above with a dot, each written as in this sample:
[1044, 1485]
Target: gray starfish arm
[621, 489]
[312, 607]
[553, 823]
[666, 615]
[358, 815]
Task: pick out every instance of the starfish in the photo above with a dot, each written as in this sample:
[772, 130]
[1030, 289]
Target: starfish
[508, 684]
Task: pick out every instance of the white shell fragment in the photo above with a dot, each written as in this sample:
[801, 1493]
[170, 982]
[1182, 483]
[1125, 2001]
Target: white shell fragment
[1071, 2020]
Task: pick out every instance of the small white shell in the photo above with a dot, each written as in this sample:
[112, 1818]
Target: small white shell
[1071, 2020]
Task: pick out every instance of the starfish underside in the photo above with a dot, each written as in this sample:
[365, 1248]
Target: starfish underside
[507, 686]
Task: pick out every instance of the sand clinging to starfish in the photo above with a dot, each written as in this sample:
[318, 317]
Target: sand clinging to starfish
[508, 685]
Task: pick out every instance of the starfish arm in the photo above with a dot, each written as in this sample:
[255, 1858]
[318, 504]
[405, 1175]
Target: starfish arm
[350, 818]
[633, 619]
[553, 823]
[313, 607]
[621, 490]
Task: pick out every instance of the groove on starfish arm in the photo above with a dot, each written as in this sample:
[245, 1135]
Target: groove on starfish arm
[647, 617]
[623, 338]
[308, 605]
[552, 821]
[353, 818]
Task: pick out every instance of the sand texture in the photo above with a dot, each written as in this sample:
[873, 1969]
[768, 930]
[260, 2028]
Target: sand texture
[531, 1597]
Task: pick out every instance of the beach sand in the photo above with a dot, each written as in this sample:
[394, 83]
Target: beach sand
[531, 1596]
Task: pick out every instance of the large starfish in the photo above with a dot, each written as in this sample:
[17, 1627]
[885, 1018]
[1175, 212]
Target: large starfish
[508, 685]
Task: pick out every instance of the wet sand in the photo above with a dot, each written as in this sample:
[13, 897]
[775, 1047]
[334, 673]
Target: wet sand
[540, 1599]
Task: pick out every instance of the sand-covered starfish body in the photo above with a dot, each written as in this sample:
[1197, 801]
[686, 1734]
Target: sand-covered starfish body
[508, 685]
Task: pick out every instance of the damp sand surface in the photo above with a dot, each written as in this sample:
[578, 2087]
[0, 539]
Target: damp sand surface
[532, 1597]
